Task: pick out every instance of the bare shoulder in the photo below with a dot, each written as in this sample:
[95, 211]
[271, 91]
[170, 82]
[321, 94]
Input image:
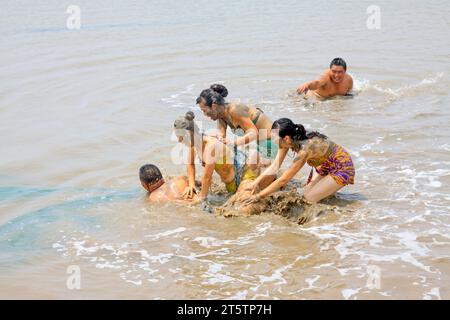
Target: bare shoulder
[180, 179]
[325, 77]
[303, 154]
[239, 110]
[315, 147]
[180, 183]
[348, 78]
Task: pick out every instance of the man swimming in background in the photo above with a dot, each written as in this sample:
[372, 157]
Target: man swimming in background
[334, 82]
[176, 189]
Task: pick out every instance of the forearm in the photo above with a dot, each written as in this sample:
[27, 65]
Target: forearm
[299, 161]
[191, 174]
[273, 187]
[270, 171]
[206, 183]
[246, 139]
[313, 85]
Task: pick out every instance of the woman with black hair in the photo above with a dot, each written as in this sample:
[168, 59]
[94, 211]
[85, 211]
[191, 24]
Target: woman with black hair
[332, 162]
[248, 123]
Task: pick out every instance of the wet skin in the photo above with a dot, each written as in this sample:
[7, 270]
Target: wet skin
[334, 82]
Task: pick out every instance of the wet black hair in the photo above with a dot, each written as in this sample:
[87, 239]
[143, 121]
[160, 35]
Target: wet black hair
[297, 132]
[215, 94]
[149, 174]
[338, 62]
[220, 89]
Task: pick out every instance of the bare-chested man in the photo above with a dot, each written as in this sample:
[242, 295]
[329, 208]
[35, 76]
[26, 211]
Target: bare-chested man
[176, 189]
[334, 82]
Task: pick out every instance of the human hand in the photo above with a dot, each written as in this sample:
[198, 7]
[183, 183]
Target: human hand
[196, 199]
[251, 200]
[189, 192]
[253, 187]
[302, 89]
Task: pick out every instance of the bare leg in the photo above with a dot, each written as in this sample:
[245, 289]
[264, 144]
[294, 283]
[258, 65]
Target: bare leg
[322, 189]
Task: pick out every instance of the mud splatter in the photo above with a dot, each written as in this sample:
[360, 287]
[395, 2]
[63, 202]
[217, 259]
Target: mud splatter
[288, 203]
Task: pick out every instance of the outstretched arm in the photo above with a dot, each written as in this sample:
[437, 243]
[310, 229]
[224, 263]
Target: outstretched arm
[298, 163]
[273, 168]
[313, 85]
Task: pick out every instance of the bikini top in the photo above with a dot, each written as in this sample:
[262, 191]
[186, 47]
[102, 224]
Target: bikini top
[238, 130]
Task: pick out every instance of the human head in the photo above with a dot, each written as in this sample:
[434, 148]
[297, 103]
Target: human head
[338, 69]
[151, 177]
[185, 128]
[289, 134]
[211, 101]
[286, 132]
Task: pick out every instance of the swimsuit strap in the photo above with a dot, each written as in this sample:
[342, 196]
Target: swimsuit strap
[233, 127]
[255, 121]
[310, 176]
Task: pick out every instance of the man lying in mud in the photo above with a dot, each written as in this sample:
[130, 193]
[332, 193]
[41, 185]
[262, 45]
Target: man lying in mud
[176, 189]
[334, 82]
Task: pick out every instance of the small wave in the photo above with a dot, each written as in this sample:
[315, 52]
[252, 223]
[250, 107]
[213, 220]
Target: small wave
[432, 293]
[209, 242]
[364, 85]
[182, 99]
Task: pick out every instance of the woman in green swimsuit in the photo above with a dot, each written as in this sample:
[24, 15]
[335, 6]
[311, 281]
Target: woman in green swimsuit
[248, 123]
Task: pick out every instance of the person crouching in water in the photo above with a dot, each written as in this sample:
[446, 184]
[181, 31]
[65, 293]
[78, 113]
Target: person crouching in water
[160, 190]
[332, 162]
[215, 156]
[247, 123]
